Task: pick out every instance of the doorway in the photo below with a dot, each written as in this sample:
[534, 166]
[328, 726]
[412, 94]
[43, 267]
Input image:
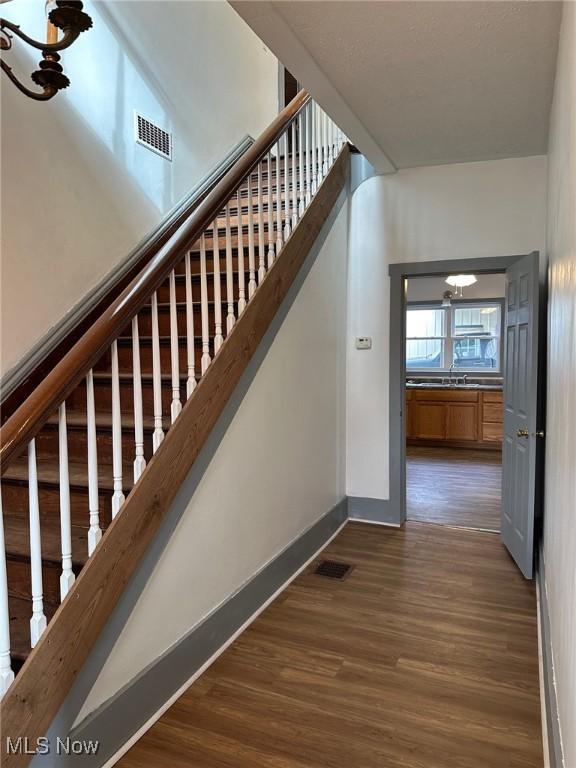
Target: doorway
[520, 353]
[454, 399]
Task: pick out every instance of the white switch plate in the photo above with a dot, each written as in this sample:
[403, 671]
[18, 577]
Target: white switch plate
[363, 342]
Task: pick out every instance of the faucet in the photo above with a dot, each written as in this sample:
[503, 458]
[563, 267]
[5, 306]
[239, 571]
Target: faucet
[451, 377]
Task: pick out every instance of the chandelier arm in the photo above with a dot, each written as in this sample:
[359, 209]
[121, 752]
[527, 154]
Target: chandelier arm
[48, 92]
[70, 36]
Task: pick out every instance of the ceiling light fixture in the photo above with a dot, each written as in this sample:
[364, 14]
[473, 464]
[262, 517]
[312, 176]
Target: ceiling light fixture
[460, 281]
[447, 299]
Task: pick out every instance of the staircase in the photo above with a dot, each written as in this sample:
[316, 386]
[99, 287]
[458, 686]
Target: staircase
[99, 449]
[15, 479]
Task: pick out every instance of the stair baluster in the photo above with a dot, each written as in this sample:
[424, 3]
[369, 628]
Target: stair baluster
[270, 203]
[308, 153]
[261, 244]
[230, 318]
[301, 185]
[319, 144]
[278, 197]
[38, 620]
[67, 576]
[241, 269]
[118, 495]
[331, 153]
[6, 673]
[325, 161]
[94, 532]
[314, 147]
[218, 338]
[190, 346]
[176, 404]
[139, 460]
[294, 178]
[206, 359]
[287, 228]
[158, 434]
[251, 256]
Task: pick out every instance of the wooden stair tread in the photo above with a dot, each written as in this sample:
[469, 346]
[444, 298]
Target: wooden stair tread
[146, 378]
[78, 419]
[180, 276]
[164, 306]
[48, 472]
[164, 340]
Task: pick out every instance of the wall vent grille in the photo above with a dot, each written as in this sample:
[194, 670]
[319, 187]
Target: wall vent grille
[152, 136]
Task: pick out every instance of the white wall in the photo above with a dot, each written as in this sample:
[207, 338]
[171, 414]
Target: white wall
[432, 288]
[560, 502]
[279, 468]
[78, 192]
[467, 210]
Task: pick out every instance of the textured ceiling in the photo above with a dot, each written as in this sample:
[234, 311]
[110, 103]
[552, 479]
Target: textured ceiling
[429, 82]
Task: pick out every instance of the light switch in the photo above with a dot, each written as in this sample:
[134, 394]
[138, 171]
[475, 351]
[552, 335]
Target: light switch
[363, 342]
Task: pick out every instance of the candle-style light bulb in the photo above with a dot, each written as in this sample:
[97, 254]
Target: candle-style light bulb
[51, 30]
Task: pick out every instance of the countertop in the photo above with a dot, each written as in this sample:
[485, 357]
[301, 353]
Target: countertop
[439, 385]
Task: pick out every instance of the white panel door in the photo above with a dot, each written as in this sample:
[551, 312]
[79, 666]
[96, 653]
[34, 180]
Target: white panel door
[521, 430]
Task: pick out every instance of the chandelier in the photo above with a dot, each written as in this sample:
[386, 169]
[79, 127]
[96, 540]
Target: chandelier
[66, 16]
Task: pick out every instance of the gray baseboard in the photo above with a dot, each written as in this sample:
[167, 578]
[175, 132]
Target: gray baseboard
[381, 511]
[113, 724]
[551, 705]
[12, 379]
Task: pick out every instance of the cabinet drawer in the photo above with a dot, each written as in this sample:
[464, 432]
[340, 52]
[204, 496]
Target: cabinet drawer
[492, 397]
[492, 433]
[492, 412]
[446, 395]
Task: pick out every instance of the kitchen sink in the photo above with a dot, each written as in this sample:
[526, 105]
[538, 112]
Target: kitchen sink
[435, 385]
[440, 385]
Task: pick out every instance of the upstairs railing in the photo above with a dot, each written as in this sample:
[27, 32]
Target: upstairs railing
[296, 152]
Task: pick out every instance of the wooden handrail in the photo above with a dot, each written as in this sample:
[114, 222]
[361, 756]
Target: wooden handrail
[29, 418]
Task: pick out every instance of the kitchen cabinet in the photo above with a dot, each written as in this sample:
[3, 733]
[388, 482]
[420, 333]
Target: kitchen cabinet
[458, 417]
[429, 421]
[461, 421]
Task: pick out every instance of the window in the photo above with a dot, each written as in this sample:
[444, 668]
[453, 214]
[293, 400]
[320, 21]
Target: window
[466, 336]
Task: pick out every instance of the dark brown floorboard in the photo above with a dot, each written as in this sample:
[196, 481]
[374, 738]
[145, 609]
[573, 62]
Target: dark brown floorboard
[424, 657]
[454, 486]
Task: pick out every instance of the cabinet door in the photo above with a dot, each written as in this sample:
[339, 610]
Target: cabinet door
[409, 418]
[430, 421]
[462, 421]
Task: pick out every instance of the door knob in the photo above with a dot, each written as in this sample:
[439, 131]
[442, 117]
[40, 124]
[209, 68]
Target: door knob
[539, 433]
[523, 433]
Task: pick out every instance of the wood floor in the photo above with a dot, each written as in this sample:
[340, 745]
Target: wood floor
[424, 657]
[454, 486]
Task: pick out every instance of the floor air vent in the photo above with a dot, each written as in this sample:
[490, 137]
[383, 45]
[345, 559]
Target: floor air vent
[152, 136]
[333, 569]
